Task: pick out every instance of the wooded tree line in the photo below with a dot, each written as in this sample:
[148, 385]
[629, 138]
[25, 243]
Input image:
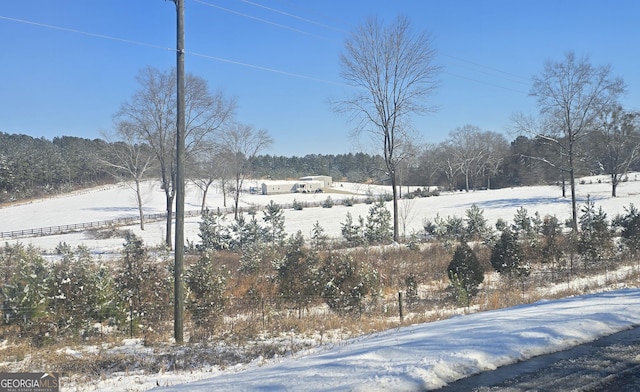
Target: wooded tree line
[468, 159]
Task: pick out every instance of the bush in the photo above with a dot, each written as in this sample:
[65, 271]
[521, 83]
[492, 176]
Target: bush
[348, 202]
[328, 203]
[298, 205]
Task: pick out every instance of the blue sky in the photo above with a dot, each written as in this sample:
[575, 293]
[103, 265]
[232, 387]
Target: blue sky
[68, 65]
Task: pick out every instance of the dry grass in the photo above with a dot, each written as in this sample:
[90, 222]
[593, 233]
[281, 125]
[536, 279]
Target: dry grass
[259, 324]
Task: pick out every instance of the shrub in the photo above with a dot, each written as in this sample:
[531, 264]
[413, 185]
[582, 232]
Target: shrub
[298, 205]
[328, 202]
[348, 202]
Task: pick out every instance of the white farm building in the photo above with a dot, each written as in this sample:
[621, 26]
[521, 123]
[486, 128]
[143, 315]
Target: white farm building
[309, 184]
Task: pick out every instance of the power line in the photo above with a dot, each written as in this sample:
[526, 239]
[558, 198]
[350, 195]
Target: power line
[68, 30]
[252, 17]
[128, 41]
[248, 65]
[294, 16]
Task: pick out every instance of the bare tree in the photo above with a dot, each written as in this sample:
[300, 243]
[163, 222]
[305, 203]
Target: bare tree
[128, 159]
[392, 71]
[616, 144]
[496, 148]
[152, 116]
[239, 145]
[572, 95]
[468, 153]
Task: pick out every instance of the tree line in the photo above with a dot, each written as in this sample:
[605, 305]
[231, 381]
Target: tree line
[468, 159]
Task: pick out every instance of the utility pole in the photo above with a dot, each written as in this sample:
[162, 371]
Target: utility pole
[178, 313]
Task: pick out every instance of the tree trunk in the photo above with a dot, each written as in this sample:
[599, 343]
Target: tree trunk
[574, 206]
[204, 197]
[139, 198]
[396, 237]
[614, 185]
[169, 198]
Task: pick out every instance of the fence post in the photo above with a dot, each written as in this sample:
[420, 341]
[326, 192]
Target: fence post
[262, 309]
[400, 306]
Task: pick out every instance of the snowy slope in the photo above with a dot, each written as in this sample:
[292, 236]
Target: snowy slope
[118, 201]
[428, 356]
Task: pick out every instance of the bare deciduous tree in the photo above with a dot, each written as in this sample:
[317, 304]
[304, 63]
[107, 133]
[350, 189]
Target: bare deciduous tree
[151, 113]
[616, 144]
[239, 145]
[392, 70]
[128, 159]
[572, 94]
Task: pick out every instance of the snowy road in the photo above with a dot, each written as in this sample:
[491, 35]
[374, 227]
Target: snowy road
[609, 364]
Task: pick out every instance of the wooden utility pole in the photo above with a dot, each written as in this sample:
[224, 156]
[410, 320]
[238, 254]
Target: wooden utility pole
[178, 322]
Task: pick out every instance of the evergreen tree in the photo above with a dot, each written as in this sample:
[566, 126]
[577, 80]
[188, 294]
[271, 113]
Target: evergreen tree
[507, 256]
[213, 234]
[378, 228]
[476, 224]
[551, 247]
[74, 285]
[319, 239]
[24, 289]
[465, 273]
[353, 233]
[595, 239]
[273, 216]
[347, 283]
[206, 300]
[298, 273]
[142, 285]
[630, 234]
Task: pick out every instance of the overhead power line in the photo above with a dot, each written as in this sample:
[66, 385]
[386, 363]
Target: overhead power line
[68, 30]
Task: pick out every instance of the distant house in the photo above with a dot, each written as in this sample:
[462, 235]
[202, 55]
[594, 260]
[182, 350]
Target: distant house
[308, 184]
[327, 181]
[280, 187]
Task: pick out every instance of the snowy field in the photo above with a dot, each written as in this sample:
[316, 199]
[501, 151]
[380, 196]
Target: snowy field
[419, 357]
[118, 201]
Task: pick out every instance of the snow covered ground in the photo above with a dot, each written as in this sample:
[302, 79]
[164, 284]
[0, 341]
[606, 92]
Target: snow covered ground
[428, 356]
[118, 201]
[418, 357]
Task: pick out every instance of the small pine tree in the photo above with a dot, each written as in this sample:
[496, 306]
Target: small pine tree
[630, 234]
[328, 202]
[595, 240]
[206, 301]
[476, 224]
[213, 234]
[347, 283]
[319, 239]
[24, 289]
[298, 273]
[273, 216]
[378, 227]
[353, 233]
[465, 273]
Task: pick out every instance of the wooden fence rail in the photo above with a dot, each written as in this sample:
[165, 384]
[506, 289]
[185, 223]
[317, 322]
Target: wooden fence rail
[64, 229]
